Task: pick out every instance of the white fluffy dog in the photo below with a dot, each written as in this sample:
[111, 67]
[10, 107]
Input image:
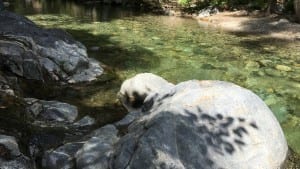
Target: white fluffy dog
[134, 90]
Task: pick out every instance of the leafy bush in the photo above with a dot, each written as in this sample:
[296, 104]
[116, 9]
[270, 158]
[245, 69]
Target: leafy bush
[184, 2]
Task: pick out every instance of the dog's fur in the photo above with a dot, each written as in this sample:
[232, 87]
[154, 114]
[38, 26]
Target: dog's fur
[134, 90]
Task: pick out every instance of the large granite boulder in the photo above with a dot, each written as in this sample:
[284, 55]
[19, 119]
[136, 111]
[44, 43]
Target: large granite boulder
[193, 125]
[43, 54]
[202, 124]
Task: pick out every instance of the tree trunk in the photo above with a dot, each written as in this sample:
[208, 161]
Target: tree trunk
[271, 6]
[297, 9]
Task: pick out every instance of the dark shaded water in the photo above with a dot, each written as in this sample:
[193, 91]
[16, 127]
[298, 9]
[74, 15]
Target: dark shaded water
[175, 48]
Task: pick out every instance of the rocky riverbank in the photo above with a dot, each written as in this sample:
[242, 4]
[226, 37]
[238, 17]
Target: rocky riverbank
[255, 23]
[46, 57]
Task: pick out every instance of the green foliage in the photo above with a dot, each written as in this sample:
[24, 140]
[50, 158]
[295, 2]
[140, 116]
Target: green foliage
[184, 2]
[235, 4]
[289, 6]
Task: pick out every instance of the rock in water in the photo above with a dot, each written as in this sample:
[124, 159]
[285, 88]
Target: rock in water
[43, 54]
[50, 110]
[283, 68]
[202, 124]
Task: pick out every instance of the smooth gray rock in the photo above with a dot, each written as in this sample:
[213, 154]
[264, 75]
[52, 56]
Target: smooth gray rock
[202, 124]
[10, 155]
[21, 162]
[43, 54]
[9, 147]
[85, 121]
[128, 119]
[92, 152]
[51, 110]
[62, 157]
[96, 151]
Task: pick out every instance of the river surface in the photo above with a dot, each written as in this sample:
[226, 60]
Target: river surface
[178, 49]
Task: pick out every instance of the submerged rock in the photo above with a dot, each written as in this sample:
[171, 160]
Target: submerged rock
[43, 54]
[283, 68]
[51, 110]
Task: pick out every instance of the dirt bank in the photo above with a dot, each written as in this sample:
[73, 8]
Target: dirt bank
[273, 26]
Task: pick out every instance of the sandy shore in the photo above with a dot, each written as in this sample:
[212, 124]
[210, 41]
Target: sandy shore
[241, 22]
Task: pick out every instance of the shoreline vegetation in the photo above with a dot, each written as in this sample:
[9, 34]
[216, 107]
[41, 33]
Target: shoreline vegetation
[275, 19]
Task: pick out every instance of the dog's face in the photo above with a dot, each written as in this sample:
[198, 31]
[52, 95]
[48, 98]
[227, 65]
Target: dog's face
[134, 90]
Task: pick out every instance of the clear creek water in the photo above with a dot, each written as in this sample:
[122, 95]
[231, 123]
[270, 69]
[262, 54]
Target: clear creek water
[177, 49]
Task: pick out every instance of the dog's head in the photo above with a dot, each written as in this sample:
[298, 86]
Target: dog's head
[134, 90]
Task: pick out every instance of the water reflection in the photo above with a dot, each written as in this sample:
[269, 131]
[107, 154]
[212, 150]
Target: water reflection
[92, 11]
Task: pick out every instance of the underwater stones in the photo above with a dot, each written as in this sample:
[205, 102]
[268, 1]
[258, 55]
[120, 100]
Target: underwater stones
[295, 77]
[43, 54]
[274, 73]
[252, 64]
[207, 66]
[280, 111]
[94, 48]
[51, 110]
[202, 124]
[283, 68]
[266, 63]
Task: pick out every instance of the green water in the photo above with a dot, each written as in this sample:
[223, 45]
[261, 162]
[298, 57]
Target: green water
[177, 49]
